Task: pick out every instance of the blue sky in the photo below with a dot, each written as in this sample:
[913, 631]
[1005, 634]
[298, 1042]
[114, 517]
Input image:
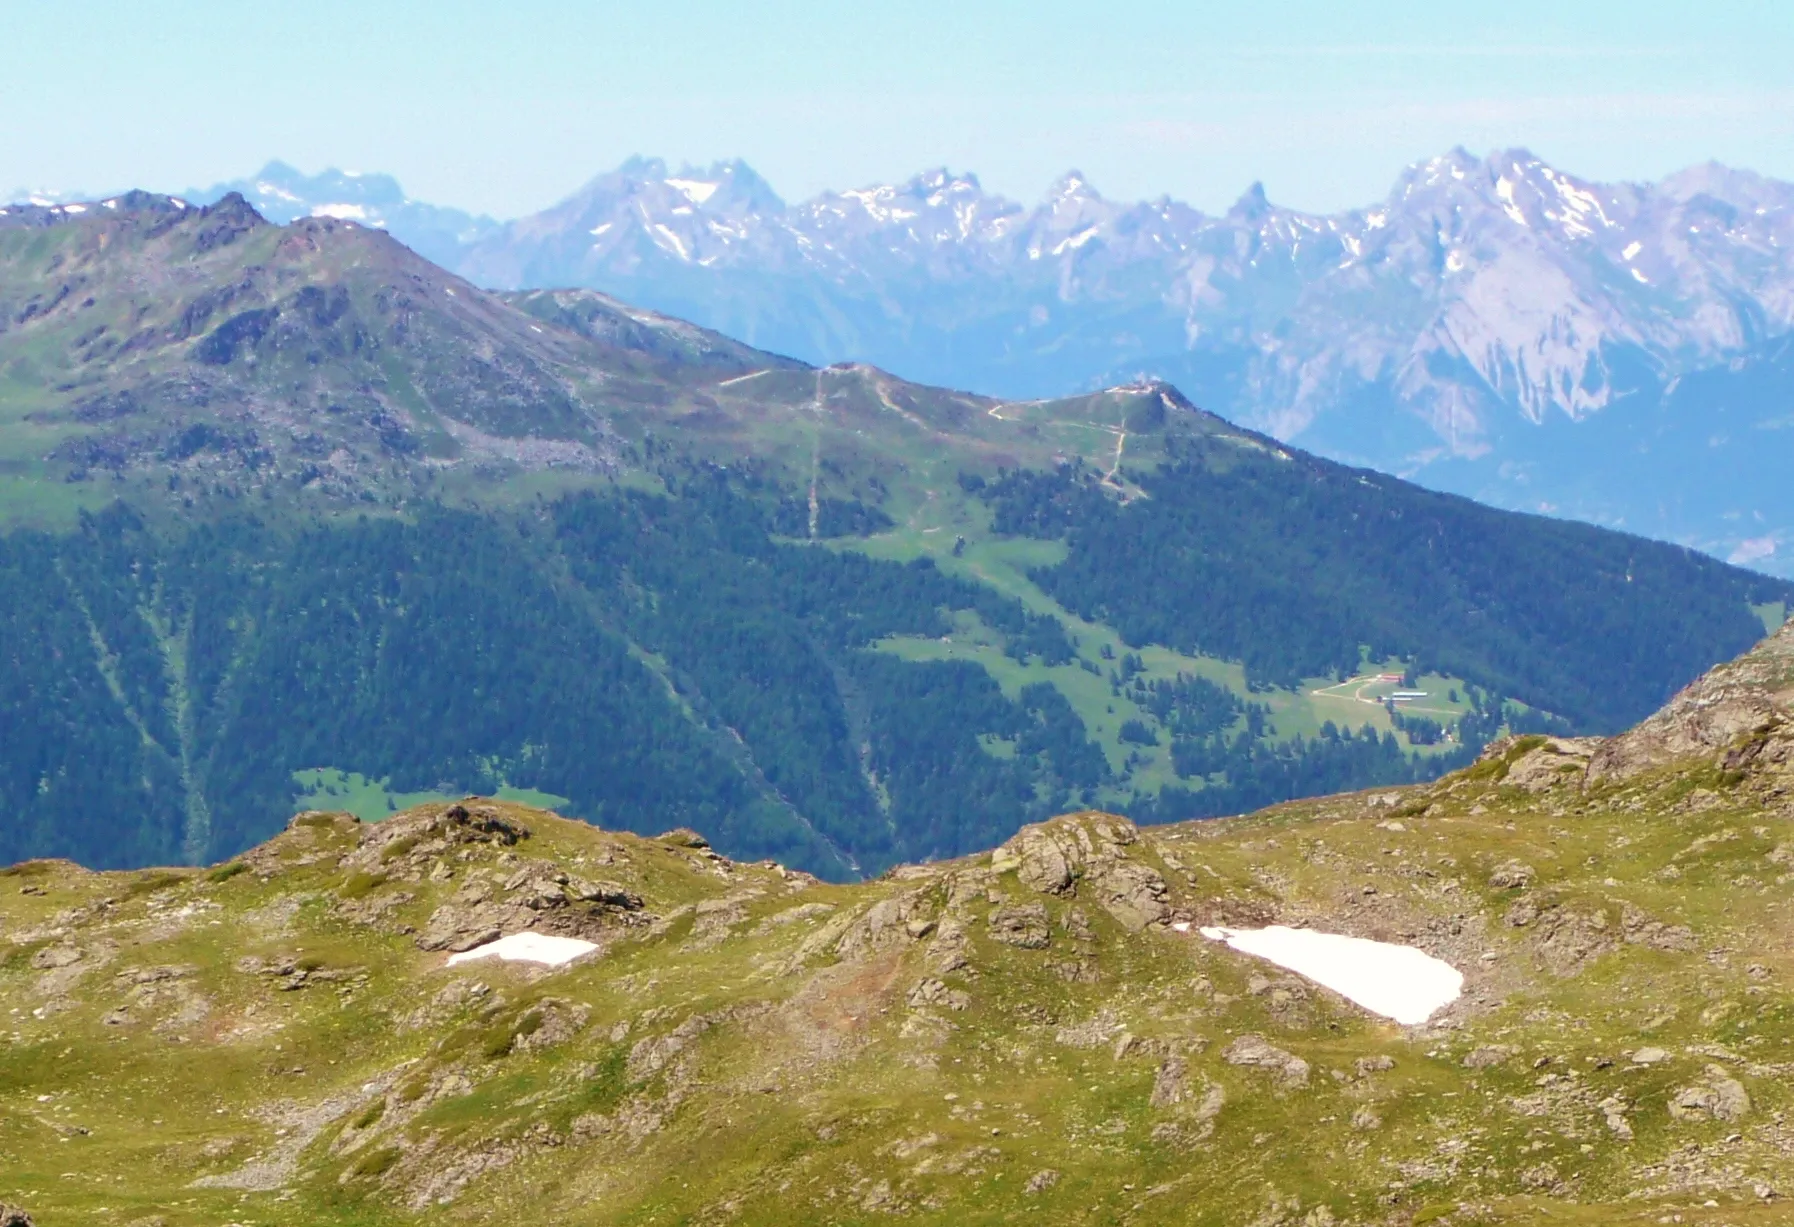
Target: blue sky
[506, 107]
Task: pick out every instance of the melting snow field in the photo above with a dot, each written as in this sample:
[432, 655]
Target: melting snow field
[543, 948]
[1397, 982]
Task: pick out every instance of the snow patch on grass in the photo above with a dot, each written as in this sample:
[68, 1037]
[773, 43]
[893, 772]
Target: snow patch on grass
[1398, 982]
[528, 947]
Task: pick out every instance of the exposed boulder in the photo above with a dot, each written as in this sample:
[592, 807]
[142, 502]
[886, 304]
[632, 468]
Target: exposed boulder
[1512, 875]
[1256, 1052]
[1718, 1096]
[1557, 761]
[1087, 854]
[936, 992]
[537, 896]
[12, 1216]
[1169, 1084]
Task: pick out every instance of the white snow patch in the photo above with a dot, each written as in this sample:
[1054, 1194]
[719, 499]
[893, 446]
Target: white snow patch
[528, 947]
[678, 244]
[1075, 241]
[1398, 982]
[1632, 249]
[1454, 262]
[110, 204]
[74, 208]
[1640, 278]
[695, 190]
[177, 202]
[1504, 188]
[342, 212]
[597, 230]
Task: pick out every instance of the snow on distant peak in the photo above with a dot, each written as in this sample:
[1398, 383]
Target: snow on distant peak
[695, 190]
[1504, 188]
[273, 191]
[1072, 184]
[342, 212]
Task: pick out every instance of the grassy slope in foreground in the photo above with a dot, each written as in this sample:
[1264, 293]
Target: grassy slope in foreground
[1023, 1033]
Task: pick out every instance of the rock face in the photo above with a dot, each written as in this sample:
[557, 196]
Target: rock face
[533, 895]
[1086, 856]
[1738, 714]
[12, 1216]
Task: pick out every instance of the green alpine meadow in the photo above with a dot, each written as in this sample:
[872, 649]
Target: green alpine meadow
[1040, 1033]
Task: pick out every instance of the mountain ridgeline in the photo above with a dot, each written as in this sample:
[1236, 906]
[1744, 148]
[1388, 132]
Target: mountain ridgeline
[1496, 326]
[293, 515]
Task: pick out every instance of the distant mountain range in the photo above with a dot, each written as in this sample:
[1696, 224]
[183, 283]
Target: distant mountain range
[1496, 327]
[282, 194]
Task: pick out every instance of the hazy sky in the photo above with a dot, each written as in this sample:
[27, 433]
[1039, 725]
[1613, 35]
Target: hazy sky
[505, 107]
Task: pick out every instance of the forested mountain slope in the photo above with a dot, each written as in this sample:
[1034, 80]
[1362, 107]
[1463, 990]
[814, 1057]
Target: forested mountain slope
[295, 516]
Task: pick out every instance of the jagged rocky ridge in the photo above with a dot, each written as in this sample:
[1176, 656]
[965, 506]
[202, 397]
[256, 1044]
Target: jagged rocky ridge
[1036, 1031]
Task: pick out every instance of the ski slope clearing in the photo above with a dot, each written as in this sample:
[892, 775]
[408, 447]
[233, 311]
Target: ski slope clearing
[1398, 982]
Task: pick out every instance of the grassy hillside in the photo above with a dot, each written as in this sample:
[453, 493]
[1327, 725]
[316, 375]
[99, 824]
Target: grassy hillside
[1036, 1033]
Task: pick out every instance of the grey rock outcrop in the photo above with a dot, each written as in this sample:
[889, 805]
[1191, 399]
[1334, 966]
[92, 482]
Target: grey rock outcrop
[1254, 1051]
[1717, 1096]
[1087, 856]
[1740, 713]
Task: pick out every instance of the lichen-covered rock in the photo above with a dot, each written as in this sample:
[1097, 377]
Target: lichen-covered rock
[1086, 855]
[1718, 1096]
[1022, 924]
[1256, 1052]
[1738, 712]
[1558, 762]
[1512, 875]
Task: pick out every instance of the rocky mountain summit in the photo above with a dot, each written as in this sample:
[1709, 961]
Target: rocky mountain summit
[298, 1035]
[1496, 326]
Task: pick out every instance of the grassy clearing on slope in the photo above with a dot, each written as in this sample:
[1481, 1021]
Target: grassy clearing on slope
[934, 528]
[328, 788]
